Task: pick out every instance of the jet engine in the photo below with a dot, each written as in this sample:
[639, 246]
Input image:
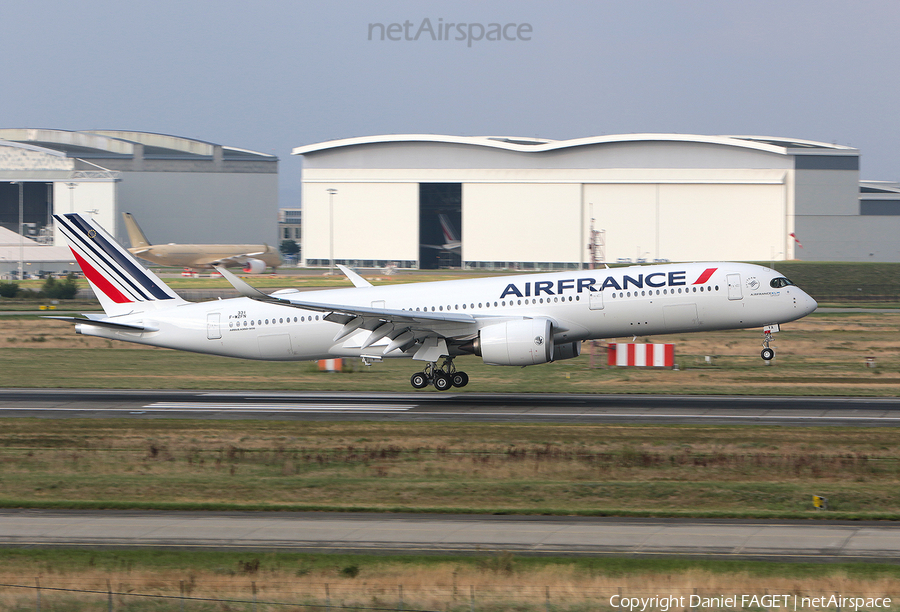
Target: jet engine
[569, 350]
[254, 266]
[516, 343]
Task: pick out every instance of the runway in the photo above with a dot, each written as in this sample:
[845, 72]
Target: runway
[453, 534]
[431, 406]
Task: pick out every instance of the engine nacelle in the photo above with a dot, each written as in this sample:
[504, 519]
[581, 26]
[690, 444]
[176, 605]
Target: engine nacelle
[516, 343]
[569, 350]
[255, 266]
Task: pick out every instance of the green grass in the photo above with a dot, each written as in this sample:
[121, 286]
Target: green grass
[233, 563]
[590, 470]
[27, 363]
[838, 281]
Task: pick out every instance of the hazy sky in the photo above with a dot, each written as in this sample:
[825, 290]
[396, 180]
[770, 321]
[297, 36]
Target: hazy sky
[273, 75]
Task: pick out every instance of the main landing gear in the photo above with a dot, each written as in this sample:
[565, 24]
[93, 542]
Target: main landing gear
[442, 377]
[768, 354]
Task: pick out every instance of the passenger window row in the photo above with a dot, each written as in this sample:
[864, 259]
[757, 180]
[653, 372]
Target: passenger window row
[283, 320]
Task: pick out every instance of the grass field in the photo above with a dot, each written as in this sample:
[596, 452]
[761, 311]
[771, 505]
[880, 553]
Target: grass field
[484, 468]
[491, 582]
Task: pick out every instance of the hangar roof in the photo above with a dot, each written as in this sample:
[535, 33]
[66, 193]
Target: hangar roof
[783, 146]
[121, 144]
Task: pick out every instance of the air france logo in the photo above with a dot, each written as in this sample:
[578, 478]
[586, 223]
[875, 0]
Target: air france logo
[653, 280]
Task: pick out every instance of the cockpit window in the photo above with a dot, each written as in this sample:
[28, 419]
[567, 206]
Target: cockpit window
[779, 282]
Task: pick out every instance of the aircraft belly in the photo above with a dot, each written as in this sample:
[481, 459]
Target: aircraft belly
[276, 347]
[681, 317]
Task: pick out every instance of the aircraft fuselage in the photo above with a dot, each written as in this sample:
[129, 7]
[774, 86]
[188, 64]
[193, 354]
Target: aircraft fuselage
[581, 304]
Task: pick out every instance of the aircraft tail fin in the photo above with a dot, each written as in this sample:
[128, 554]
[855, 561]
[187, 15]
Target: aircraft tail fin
[450, 234]
[121, 284]
[135, 235]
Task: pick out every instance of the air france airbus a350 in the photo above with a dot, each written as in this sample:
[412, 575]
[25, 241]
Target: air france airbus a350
[509, 320]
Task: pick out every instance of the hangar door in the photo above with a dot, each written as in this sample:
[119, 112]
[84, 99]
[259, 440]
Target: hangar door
[440, 220]
[690, 222]
[37, 206]
[536, 224]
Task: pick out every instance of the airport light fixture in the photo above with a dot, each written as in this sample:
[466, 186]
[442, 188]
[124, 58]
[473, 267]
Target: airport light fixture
[71, 187]
[331, 193]
[21, 228]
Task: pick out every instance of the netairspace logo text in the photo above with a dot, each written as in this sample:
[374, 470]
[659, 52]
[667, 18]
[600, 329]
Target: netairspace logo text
[668, 603]
[468, 32]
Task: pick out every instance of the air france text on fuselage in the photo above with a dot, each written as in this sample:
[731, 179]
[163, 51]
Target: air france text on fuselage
[654, 280]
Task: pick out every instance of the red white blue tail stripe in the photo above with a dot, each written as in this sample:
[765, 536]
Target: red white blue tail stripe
[120, 282]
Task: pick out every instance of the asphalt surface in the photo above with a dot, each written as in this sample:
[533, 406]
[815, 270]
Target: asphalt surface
[461, 534]
[432, 406]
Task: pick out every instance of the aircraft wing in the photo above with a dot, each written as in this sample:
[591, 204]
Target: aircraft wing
[402, 327]
[236, 260]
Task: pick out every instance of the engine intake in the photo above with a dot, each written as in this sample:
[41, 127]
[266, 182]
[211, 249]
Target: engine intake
[516, 343]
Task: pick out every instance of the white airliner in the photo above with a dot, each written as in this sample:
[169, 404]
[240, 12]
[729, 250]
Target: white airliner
[506, 320]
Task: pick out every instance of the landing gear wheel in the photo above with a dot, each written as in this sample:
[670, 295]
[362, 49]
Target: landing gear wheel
[459, 379]
[767, 354]
[442, 382]
[418, 380]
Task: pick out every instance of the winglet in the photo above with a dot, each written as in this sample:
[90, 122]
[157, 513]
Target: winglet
[243, 288]
[356, 279]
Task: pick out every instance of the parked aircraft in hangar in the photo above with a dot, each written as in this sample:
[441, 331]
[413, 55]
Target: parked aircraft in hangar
[508, 320]
[452, 243]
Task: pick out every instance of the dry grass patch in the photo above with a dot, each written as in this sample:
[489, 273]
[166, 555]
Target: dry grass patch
[495, 582]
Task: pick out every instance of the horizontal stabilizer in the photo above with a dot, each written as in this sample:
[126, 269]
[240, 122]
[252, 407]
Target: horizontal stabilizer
[105, 323]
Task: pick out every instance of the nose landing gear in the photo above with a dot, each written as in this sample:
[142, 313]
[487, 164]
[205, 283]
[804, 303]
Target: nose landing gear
[442, 377]
[768, 354]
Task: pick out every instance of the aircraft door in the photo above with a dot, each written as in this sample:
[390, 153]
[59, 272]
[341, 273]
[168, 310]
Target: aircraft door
[596, 300]
[734, 287]
[213, 331]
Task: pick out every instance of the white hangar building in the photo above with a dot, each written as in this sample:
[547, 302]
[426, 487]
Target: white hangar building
[529, 203]
[179, 190]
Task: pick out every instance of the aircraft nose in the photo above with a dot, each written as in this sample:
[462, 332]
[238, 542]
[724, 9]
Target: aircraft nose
[809, 305]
